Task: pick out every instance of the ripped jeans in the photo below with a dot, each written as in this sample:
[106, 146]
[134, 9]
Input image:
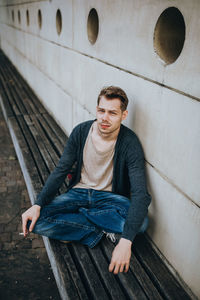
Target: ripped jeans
[84, 215]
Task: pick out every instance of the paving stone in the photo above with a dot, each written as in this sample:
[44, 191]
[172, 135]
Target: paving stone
[6, 237]
[37, 243]
[24, 265]
[2, 227]
[11, 227]
[9, 245]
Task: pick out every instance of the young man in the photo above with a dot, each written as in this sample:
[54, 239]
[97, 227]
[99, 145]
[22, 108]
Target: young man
[108, 169]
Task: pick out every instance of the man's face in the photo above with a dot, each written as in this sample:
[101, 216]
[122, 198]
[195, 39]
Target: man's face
[109, 115]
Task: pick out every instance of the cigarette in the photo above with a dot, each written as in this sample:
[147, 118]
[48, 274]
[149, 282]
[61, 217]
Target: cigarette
[21, 233]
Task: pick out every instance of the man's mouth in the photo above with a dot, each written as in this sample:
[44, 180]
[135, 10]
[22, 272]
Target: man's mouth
[105, 125]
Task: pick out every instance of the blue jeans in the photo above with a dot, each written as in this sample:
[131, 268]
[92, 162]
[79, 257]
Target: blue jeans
[82, 215]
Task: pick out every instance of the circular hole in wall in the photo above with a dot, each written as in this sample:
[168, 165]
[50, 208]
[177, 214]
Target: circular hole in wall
[19, 17]
[27, 18]
[58, 21]
[13, 16]
[39, 18]
[169, 35]
[92, 25]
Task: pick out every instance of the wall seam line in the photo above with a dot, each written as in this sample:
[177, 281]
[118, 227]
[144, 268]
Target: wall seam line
[172, 184]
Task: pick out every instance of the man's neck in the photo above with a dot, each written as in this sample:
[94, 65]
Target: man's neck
[109, 137]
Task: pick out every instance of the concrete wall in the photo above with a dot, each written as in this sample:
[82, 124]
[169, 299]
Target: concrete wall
[67, 72]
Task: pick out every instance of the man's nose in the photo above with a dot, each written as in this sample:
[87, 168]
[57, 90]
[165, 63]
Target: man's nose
[105, 116]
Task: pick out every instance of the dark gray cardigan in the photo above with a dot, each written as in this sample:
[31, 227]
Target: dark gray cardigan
[128, 173]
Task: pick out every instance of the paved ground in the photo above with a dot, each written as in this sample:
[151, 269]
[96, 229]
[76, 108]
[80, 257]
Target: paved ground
[25, 272]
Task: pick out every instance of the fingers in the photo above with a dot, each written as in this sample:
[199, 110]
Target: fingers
[111, 266]
[121, 268]
[32, 224]
[24, 223]
[117, 267]
[126, 267]
[31, 214]
[114, 267]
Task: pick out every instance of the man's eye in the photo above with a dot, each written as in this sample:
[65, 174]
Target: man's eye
[113, 113]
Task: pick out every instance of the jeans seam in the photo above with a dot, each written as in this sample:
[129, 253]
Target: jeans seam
[93, 243]
[53, 210]
[100, 212]
[50, 220]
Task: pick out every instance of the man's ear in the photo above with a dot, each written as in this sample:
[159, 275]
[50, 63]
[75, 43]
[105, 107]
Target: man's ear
[124, 115]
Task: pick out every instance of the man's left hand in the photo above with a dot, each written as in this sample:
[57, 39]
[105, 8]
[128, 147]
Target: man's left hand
[121, 257]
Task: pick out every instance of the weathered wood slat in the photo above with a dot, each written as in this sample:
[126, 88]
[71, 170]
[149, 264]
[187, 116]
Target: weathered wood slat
[55, 128]
[73, 284]
[130, 285]
[101, 263]
[90, 277]
[27, 158]
[45, 147]
[8, 93]
[12, 87]
[39, 162]
[167, 285]
[52, 136]
[26, 88]
[139, 273]
[143, 279]
[71, 265]
[24, 93]
[39, 140]
[6, 104]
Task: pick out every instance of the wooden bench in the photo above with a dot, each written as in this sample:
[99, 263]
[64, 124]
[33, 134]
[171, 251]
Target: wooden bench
[80, 272]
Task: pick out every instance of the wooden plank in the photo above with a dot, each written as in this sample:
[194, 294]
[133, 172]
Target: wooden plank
[128, 282]
[6, 104]
[55, 128]
[70, 285]
[9, 95]
[50, 133]
[18, 93]
[50, 147]
[26, 160]
[29, 92]
[45, 147]
[42, 159]
[101, 264]
[23, 84]
[19, 90]
[10, 87]
[89, 275]
[163, 279]
[39, 162]
[17, 99]
[144, 280]
[39, 140]
[71, 265]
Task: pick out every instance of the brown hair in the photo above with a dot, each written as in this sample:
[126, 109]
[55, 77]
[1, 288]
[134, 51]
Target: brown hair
[112, 92]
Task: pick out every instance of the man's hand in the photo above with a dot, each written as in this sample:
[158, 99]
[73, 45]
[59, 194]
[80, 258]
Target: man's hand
[121, 257]
[32, 214]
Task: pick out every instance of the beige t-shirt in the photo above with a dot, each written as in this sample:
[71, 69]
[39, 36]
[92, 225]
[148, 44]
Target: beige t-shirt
[97, 169]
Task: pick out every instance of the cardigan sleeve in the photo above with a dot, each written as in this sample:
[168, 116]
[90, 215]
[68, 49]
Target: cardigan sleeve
[140, 198]
[57, 177]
